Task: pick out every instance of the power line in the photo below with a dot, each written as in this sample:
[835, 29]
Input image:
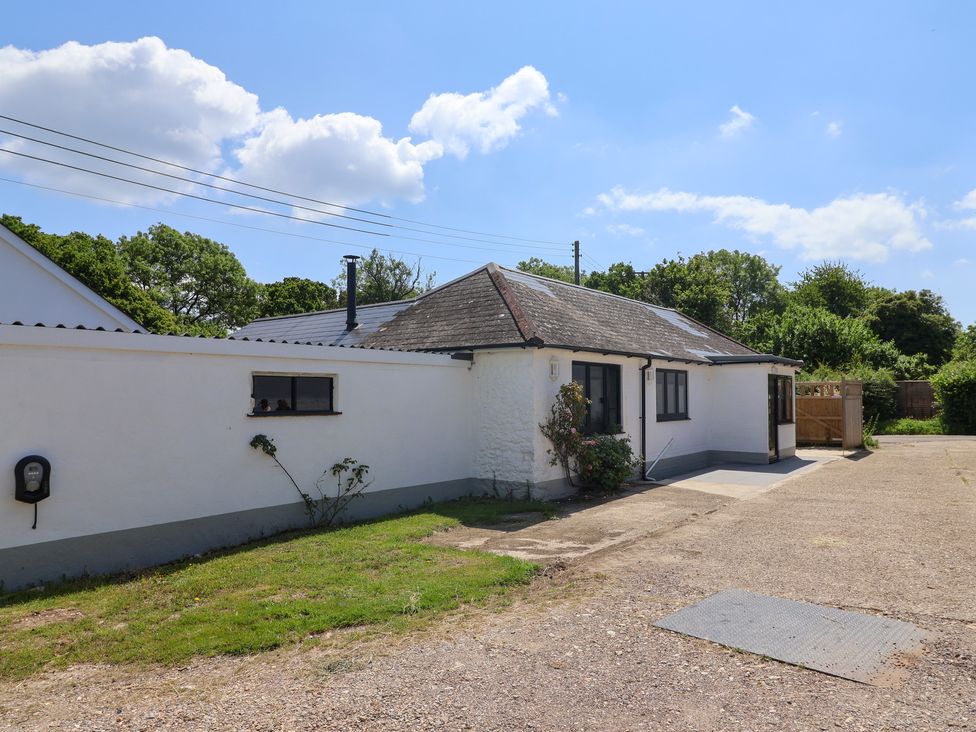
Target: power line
[273, 190]
[256, 196]
[189, 195]
[243, 226]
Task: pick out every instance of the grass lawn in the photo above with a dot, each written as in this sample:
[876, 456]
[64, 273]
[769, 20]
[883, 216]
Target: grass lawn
[262, 595]
[909, 426]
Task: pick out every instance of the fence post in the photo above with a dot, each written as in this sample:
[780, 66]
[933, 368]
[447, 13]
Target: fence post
[853, 414]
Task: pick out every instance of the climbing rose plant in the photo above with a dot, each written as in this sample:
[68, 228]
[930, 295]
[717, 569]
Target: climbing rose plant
[606, 461]
[603, 462]
[564, 428]
[351, 478]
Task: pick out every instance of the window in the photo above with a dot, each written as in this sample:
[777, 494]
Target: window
[672, 395]
[601, 384]
[281, 396]
[784, 399]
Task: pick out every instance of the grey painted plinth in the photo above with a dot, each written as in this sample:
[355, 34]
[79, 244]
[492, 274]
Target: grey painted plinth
[681, 464]
[146, 546]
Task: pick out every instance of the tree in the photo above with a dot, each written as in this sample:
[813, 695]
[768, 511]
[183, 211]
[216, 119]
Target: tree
[818, 337]
[835, 287]
[619, 279]
[752, 283]
[385, 279]
[295, 295]
[965, 348]
[691, 286]
[916, 322]
[95, 261]
[536, 266]
[198, 280]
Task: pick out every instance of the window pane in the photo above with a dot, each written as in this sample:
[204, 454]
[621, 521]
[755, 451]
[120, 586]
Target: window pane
[579, 373]
[659, 396]
[672, 381]
[272, 393]
[598, 413]
[314, 393]
[682, 393]
[613, 395]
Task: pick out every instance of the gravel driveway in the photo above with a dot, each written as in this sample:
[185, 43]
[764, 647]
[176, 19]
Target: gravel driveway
[890, 533]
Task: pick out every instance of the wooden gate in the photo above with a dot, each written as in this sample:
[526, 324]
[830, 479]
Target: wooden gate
[829, 413]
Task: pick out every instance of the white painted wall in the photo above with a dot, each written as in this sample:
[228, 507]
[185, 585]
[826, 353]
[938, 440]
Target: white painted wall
[546, 390]
[503, 415]
[144, 429]
[693, 435]
[35, 290]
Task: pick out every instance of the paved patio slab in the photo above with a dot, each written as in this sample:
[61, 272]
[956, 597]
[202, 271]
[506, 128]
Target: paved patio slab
[748, 481]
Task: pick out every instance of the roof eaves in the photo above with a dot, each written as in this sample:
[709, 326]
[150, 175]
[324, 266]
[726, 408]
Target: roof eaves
[720, 360]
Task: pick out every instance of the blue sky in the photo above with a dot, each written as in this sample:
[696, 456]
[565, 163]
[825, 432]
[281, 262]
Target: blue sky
[838, 130]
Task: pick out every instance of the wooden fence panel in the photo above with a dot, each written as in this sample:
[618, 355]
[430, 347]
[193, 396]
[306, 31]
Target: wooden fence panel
[916, 399]
[829, 413]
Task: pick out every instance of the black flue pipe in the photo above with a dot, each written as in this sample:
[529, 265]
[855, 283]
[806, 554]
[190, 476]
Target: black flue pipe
[351, 291]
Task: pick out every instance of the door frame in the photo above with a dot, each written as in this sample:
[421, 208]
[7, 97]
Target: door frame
[772, 422]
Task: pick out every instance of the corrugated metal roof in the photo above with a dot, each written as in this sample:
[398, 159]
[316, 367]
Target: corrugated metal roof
[327, 326]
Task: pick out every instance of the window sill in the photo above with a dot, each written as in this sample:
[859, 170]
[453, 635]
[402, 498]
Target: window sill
[292, 413]
[673, 419]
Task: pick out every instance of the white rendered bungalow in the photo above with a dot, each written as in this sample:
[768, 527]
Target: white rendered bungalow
[147, 438]
[681, 391]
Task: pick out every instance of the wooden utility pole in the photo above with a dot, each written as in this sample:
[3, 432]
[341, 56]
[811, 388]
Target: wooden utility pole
[576, 261]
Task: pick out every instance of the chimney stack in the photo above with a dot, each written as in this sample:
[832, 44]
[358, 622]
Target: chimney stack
[351, 290]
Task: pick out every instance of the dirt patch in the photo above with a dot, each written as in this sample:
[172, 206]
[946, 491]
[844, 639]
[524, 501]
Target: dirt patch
[47, 617]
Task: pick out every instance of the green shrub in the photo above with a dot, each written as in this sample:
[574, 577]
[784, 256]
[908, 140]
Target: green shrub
[910, 426]
[955, 390]
[605, 462]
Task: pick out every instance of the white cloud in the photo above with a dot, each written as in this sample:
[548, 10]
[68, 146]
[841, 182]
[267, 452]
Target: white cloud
[962, 262]
[164, 102]
[927, 274]
[625, 230]
[863, 226]
[343, 158]
[142, 95]
[967, 202]
[834, 129]
[484, 120]
[737, 123]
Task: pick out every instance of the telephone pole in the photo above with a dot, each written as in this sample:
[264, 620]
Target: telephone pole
[576, 262]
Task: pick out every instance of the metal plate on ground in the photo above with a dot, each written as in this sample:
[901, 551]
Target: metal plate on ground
[865, 648]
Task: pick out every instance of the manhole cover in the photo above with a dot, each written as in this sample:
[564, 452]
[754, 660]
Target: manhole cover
[854, 646]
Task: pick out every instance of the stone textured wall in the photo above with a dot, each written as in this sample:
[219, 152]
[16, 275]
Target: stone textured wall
[504, 421]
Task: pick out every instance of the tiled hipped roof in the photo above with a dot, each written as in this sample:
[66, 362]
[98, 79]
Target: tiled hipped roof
[497, 307]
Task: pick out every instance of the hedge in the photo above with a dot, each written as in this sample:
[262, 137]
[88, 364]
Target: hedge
[955, 390]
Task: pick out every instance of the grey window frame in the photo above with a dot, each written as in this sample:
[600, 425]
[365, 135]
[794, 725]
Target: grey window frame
[670, 416]
[294, 391]
[607, 426]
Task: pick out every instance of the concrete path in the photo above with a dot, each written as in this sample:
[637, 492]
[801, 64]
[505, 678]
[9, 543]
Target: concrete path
[585, 528]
